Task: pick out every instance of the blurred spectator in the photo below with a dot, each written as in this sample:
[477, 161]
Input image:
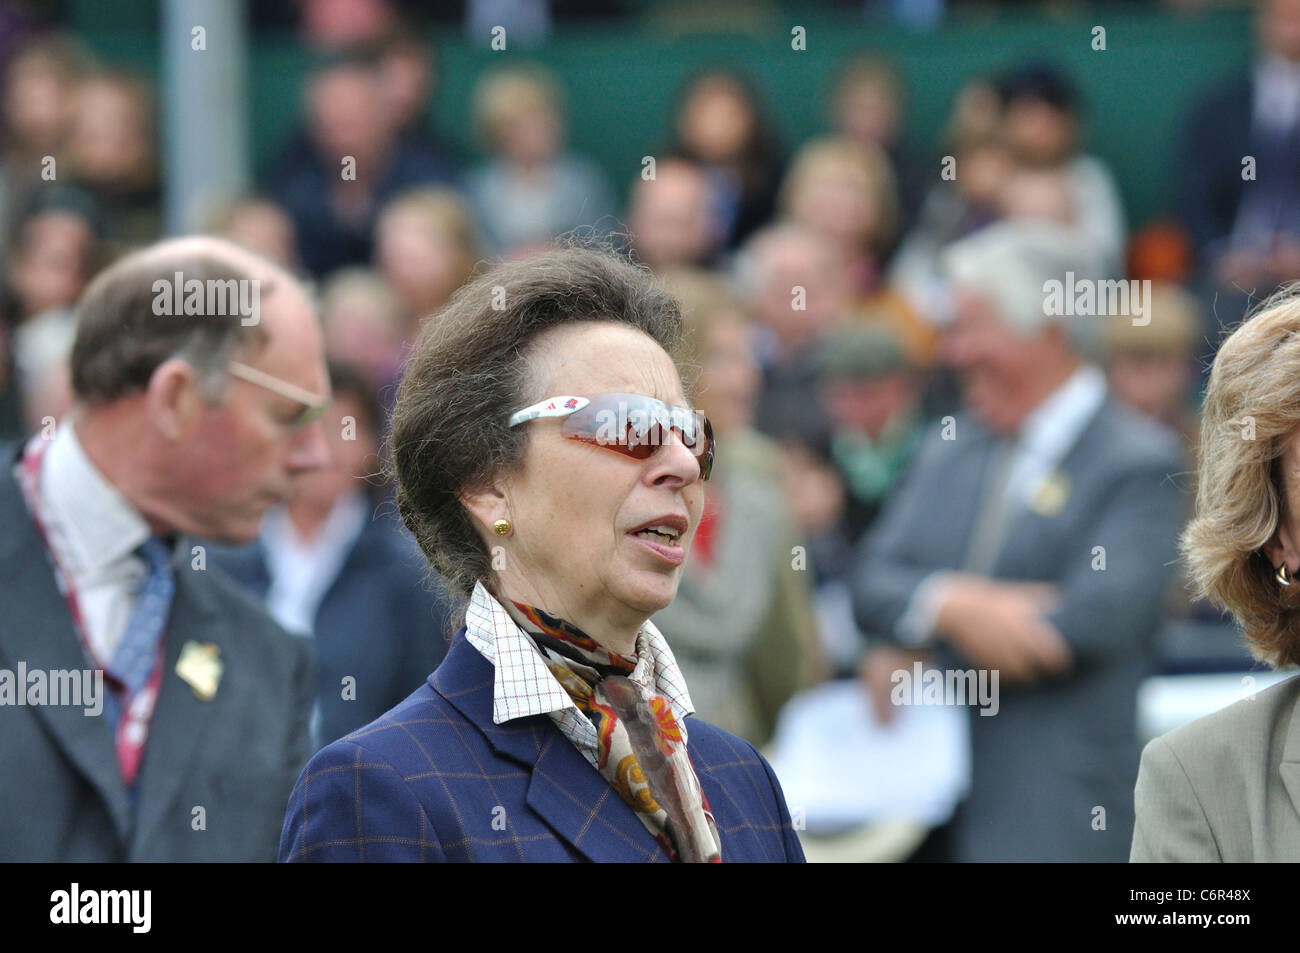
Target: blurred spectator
[987, 560]
[841, 476]
[794, 285]
[967, 197]
[337, 173]
[42, 348]
[112, 154]
[868, 102]
[1040, 122]
[872, 398]
[407, 66]
[364, 321]
[38, 91]
[426, 246]
[260, 225]
[669, 218]
[344, 24]
[1038, 195]
[1239, 192]
[742, 661]
[1152, 366]
[330, 569]
[55, 252]
[719, 124]
[847, 193]
[530, 189]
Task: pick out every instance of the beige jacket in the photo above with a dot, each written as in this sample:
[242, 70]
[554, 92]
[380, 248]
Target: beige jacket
[1225, 787]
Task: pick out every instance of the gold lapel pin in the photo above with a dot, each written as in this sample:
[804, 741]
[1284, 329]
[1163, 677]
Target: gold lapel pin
[200, 666]
[1050, 495]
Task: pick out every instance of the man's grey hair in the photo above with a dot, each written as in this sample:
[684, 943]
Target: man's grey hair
[1011, 263]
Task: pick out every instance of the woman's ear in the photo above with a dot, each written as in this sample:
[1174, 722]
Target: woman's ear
[486, 505]
[1281, 548]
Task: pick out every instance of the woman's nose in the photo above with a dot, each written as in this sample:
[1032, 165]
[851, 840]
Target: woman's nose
[674, 461]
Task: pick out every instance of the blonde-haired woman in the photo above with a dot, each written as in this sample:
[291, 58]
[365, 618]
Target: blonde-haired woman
[426, 246]
[1227, 786]
[847, 192]
[530, 189]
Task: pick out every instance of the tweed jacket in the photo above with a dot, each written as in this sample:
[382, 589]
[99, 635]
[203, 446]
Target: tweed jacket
[435, 779]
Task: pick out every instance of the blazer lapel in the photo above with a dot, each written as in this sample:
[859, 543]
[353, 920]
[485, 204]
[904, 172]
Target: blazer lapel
[1290, 766]
[181, 719]
[564, 789]
[36, 628]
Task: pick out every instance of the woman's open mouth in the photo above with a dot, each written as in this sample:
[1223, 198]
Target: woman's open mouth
[663, 541]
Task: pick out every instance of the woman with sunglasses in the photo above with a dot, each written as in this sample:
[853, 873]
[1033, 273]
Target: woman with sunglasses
[552, 470]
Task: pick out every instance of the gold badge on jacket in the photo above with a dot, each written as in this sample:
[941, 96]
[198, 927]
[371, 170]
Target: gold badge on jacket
[1051, 493]
[200, 666]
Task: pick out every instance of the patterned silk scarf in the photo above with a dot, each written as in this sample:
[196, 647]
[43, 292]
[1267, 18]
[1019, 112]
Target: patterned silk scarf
[641, 751]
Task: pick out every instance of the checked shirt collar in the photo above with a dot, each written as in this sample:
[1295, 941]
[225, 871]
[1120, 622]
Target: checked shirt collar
[524, 686]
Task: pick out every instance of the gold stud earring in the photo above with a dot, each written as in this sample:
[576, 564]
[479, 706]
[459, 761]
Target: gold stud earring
[502, 527]
[1282, 575]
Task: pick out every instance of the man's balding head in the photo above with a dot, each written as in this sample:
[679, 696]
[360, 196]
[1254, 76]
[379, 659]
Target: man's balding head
[144, 309]
[193, 360]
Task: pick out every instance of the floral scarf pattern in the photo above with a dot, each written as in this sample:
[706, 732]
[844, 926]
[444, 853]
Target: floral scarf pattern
[641, 750]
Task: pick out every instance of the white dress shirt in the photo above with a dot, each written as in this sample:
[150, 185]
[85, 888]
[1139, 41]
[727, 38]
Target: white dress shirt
[525, 686]
[1277, 94]
[93, 532]
[302, 571]
[1045, 437]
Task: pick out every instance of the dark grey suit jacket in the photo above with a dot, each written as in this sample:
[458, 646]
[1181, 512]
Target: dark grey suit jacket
[236, 756]
[1225, 787]
[1058, 749]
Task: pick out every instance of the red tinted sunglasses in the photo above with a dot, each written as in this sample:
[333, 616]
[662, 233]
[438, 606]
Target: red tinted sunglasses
[630, 424]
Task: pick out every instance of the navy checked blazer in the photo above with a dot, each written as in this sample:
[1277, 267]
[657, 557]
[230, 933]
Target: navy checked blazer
[435, 780]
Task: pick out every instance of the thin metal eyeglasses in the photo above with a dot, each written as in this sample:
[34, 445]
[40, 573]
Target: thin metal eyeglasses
[313, 404]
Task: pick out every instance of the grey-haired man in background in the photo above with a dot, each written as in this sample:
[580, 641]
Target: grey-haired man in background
[1033, 536]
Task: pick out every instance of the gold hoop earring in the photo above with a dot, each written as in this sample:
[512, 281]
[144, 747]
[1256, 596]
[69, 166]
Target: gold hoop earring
[1282, 575]
[502, 527]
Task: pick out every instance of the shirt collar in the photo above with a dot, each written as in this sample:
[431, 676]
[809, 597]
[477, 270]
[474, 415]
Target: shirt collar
[1277, 91]
[96, 524]
[525, 686]
[1052, 427]
[336, 534]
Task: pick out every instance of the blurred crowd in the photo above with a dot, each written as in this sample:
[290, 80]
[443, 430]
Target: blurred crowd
[812, 278]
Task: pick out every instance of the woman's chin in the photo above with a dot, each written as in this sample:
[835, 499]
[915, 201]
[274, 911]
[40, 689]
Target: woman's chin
[651, 592]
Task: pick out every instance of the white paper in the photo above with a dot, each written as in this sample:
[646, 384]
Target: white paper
[843, 769]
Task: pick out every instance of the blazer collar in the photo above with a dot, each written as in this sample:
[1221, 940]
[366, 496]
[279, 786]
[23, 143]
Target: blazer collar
[564, 789]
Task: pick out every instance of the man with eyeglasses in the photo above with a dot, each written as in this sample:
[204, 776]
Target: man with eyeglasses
[189, 723]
